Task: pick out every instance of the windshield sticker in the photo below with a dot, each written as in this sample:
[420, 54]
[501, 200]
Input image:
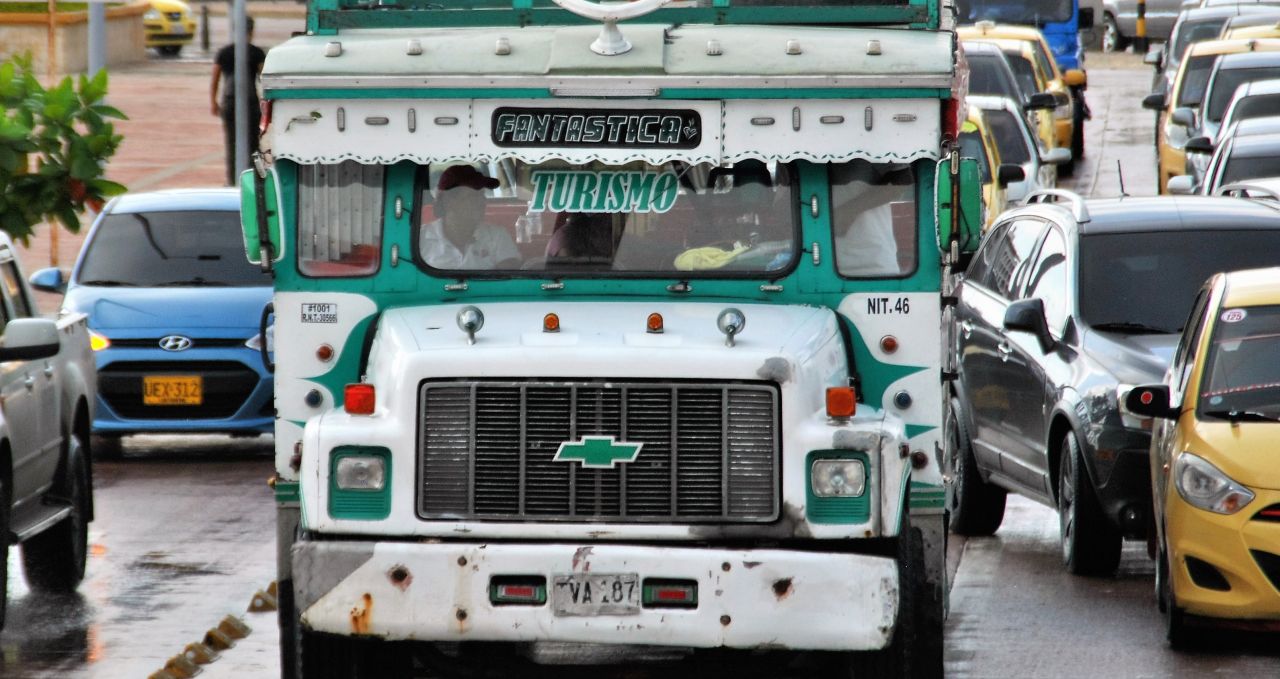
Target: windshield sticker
[597, 128]
[1233, 315]
[319, 313]
[624, 191]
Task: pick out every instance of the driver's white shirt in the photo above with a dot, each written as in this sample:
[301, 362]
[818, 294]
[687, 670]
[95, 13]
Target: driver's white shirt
[489, 246]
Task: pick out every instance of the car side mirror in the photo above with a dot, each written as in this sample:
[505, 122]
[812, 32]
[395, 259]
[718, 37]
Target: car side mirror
[1151, 400]
[1154, 56]
[1199, 145]
[1027, 315]
[1009, 174]
[1155, 101]
[1084, 20]
[1075, 77]
[51, 279]
[1058, 156]
[1183, 116]
[27, 339]
[1182, 185]
[1041, 101]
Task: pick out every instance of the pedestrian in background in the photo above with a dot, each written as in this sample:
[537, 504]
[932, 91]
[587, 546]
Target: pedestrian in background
[224, 69]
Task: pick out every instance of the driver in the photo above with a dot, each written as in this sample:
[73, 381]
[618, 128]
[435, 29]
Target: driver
[458, 238]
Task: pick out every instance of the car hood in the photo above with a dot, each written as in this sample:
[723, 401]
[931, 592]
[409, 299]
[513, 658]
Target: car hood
[171, 6]
[1246, 451]
[1132, 359]
[145, 311]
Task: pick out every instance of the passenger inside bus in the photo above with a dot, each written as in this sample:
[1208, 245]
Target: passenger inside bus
[871, 207]
[459, 238]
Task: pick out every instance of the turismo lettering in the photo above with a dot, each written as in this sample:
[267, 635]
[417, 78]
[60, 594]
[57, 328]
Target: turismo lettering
[624, 191]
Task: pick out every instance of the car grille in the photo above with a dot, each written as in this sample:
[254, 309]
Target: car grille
[225, 387]
[709, 451]
[1270, 565]
[196, 342]
[174, 16]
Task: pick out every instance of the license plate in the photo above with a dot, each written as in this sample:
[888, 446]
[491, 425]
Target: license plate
[172, 390]
[596, 594]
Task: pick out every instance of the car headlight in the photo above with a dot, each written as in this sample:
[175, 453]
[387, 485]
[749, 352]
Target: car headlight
[255, 342]
[1204, 486]
[361, 472]
[152, 15]
[838, 478]
[98, 341]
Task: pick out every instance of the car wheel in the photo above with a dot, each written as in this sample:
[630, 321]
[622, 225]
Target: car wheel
[1174, 619]
[4, 547]
[170, 50]
[915, 649]
[106, 447]
[54, 561]
[1090, 544]
[1112, 39]
[333, 656]
[976, 507]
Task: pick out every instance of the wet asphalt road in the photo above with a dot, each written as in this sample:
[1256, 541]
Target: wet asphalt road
[185, 535]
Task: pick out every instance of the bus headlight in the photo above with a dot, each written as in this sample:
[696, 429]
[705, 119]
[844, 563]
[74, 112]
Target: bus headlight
[838, 478]
[361, 472]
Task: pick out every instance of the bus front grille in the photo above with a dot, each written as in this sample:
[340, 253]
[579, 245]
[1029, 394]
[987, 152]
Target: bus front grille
[708, 451]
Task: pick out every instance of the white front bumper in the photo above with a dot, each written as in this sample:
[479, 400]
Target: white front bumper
[746, 598]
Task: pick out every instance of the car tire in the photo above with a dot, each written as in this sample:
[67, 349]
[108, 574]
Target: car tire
[170, 50]
[106, 446]
[915, 649]
[976, 507]
[1090, 544]
[1112, 39]
[1175, 624]
[5, 507]
[54, 561]
[333, 656]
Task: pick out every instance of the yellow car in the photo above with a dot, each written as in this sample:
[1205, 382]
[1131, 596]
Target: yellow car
[1215, 480]
[1252, 32]
[977, 142]
[1177, 111]
[1033, 63]
[169, 26]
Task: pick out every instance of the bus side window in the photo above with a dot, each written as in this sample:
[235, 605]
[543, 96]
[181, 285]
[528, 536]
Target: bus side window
[340, 219]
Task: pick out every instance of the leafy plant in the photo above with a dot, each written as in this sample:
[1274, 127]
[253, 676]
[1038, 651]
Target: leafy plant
[67, 130]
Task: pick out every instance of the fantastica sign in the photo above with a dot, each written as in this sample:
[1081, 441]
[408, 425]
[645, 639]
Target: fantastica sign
[604, 191]
[596, 128]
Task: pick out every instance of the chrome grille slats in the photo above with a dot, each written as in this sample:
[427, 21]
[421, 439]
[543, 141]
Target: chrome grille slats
[709, 451]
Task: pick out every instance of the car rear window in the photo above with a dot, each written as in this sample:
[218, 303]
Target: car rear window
[180, 248]
[1150, 279]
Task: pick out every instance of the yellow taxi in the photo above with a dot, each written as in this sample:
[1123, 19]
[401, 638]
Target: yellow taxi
[1252, 32]
[1215, 480]
[976, 141]
[1032, 61]
[1177, 110]
[169, 26]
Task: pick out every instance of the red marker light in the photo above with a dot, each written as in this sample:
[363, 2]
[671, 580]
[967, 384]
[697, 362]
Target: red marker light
[841, 402]
[551, 323]
[359, 399]
[653, 324]
[888, 344]
[324, 353]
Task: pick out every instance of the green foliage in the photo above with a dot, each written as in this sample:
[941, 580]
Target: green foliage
[67, 130]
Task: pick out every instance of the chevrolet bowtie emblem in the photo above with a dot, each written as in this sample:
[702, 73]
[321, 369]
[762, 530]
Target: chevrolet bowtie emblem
[598, 452]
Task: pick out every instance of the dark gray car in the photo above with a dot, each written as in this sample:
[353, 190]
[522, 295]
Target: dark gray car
[1064, 307]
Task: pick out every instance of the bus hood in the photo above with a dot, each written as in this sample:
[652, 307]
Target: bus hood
[609, 339]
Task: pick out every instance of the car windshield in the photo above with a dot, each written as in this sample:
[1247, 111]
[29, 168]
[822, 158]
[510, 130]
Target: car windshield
[1226, 82]
[1195, 79]
[179, 248]
[988, 76]
[1009, 138]
[557, 218]
[1242, 368]
[1191, 32]
[1028, 12]
[1243, 169]
[1150, 279]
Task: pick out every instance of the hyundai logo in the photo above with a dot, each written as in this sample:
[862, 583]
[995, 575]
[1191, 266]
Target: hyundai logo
[175, 343]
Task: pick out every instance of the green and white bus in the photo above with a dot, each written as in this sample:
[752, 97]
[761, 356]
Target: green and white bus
[612, 324]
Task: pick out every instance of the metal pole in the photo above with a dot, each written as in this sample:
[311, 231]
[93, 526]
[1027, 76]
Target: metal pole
[204, 28]
[243, 81]
[97, 37]
[1140, 45]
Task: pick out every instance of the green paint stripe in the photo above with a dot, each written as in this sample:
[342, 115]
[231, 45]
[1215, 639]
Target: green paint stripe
[288, 492]
[914, 430]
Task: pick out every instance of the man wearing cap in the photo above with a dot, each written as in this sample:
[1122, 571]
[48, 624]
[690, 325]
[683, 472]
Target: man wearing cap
[458, 239]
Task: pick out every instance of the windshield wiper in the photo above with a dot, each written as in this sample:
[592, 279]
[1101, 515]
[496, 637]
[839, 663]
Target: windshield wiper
[108, 283]
[193, 282]
[1241, 416]
[1130, 327]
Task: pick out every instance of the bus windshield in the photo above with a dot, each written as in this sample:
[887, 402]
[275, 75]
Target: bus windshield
[556, 218]
[1032, 12]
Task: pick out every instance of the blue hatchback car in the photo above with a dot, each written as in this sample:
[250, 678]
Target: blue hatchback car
[175, 315]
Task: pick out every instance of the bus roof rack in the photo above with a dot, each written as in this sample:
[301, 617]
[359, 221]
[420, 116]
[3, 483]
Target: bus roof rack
[1078, 209]
[1247, 190]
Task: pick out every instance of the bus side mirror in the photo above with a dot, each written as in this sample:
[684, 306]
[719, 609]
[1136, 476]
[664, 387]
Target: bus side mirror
[968, 218]
[254, 240]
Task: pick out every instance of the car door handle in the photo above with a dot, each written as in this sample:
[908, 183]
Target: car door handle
[29, 382]
[966, 327]
[1004, 350]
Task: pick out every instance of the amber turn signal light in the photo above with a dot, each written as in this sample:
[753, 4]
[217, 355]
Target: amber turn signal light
[359, 399]
[841, 402]
[551, 323]
[653, 324]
